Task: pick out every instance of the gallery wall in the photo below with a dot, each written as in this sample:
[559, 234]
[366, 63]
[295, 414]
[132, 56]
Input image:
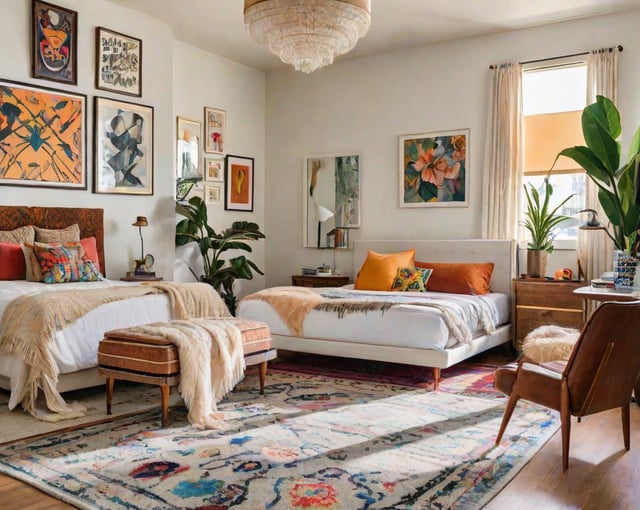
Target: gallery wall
[363, 105]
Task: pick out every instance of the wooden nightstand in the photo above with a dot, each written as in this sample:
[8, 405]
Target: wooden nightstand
[140, 278]
[544, 302]
[319, 280]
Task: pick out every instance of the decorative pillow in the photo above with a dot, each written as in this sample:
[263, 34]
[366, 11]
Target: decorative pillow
[90, 247]
[18, 235]
[380, 269]
[409, 279]
[60, 264]
[459, 278]
[12, 264]
[70, 234]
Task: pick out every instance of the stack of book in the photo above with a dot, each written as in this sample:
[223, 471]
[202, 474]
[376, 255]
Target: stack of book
[309, 271]
[599, 283]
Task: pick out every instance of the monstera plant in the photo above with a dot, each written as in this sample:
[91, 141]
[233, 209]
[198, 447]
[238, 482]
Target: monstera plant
[218, 272]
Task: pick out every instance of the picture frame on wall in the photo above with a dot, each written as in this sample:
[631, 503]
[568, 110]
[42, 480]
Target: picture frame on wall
[215, 123]
[118, 62]
[213, 193]
[54, 42]
[238, 195]
[213, 169]
[433, 169]
[188, 143]
[43, 137]
[123, 147]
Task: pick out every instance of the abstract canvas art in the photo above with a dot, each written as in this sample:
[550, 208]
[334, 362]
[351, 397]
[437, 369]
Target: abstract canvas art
[239, 183]
[118, 62]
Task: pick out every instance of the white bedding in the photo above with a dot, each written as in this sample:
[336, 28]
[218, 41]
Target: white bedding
[76, 346]
[403, 325]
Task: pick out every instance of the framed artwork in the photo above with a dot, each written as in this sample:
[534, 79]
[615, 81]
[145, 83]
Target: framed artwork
[213, 169]
[433, 169]
[188, 149]
[215, 123]
[331, 200]
[213, 193]
[54, 41]
[42, 136]
[118, 62]
[123, 147]
[238, 195]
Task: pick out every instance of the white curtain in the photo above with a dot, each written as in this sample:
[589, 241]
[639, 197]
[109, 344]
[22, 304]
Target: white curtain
[503, 154]
[595, 249]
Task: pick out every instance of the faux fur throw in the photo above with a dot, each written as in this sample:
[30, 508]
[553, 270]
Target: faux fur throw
[549, 343]
[29, 324]
[211, 362]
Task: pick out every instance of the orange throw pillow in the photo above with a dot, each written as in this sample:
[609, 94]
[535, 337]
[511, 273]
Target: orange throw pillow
[12, 263]
[380, 269]
[459, 278]
[90, 247]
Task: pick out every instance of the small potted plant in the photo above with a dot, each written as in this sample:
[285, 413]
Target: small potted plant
[540, 221]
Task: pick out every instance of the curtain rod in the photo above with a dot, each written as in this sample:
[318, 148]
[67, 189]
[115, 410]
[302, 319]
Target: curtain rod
[619, 47]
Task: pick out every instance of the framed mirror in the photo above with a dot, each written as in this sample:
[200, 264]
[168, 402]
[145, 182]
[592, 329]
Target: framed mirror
[331, 204]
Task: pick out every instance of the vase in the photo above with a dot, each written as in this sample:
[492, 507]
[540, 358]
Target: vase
[625, 266]
[536, 263]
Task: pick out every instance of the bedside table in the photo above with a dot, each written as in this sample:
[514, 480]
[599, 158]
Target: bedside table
[140, 278]
[544, 302]
[319, 280]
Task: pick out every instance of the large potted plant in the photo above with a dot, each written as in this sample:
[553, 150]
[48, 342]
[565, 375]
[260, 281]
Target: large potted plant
[218, 272]
[540, 221]
[616, 179]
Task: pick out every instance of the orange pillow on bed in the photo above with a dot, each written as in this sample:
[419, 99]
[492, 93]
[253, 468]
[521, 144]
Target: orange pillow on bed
[12, 263]
[459, 278]
[380, 269]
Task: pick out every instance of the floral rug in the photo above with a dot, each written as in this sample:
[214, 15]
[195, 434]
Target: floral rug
[313, 441]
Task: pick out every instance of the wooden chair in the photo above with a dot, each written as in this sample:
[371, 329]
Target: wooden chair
[599, 374]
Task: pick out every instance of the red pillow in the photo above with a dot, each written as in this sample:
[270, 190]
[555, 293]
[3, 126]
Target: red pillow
[459, 278]
[91, 251]
[12, 264]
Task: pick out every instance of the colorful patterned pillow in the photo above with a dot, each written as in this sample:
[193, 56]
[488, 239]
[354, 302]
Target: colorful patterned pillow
[64, 263]
[409, 279]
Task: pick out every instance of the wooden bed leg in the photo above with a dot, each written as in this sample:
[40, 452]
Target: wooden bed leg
[165, 389]
[110, 384]
[263, 375]
[436, 378]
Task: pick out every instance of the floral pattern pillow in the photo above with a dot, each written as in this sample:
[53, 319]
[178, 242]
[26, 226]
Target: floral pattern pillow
[64, 263]
[409, 279]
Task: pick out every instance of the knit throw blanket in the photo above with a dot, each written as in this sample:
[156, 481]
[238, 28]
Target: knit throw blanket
[294, 303]
[211, 362]
[29, 324]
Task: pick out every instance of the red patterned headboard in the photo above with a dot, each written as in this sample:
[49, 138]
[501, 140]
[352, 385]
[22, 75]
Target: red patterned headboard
[90, 221]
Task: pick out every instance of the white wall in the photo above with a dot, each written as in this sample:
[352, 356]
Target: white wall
[203, 79]
[121, 239]
[364, 104]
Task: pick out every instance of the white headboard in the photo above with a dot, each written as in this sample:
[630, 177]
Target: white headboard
[500, 252]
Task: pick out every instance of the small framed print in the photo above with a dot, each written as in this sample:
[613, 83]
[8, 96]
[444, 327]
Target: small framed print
[188, 149]
[238, 183]
[213, 169]
[54, 41]
[118, 62]
[215, 124]
[213, 193]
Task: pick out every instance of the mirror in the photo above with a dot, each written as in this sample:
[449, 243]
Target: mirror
[331, 199]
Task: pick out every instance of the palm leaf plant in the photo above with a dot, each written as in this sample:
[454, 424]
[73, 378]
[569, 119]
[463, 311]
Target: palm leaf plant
[218, 272]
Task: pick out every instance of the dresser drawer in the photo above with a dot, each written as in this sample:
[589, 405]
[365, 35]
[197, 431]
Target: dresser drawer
[530, 318]
[551, 295]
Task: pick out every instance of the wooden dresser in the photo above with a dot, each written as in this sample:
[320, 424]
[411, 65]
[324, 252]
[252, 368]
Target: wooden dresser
[544, 302]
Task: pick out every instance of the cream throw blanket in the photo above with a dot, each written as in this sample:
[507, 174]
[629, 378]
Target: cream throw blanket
[29, 324]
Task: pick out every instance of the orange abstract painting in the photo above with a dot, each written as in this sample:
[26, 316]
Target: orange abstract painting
[239, 185]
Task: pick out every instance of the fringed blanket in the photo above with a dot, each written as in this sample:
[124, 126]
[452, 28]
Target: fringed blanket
[294, 303]
[29, 324]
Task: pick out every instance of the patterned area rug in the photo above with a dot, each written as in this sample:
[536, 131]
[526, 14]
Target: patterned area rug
[312, 442]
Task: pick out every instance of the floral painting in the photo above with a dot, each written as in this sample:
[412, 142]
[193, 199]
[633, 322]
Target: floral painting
[433, 169]
[119, 62]
[42, 137]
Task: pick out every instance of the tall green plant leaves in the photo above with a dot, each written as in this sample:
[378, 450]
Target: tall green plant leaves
[601, 128]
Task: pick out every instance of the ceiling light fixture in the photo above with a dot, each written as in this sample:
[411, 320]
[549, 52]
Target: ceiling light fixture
[308, 34]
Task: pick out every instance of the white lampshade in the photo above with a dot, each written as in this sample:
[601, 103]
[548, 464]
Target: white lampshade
[323, 213]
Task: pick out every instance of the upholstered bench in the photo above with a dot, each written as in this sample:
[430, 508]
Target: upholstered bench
[154, 360]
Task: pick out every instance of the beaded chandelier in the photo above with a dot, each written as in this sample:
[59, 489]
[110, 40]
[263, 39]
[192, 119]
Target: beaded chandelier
[308, 34]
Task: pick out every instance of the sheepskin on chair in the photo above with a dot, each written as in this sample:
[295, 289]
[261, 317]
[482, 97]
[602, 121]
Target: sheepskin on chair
[549, 343]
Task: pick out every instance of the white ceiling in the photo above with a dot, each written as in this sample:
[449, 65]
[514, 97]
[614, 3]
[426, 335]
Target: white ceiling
[217, 25]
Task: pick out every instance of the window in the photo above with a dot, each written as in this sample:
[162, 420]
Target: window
[553, 100]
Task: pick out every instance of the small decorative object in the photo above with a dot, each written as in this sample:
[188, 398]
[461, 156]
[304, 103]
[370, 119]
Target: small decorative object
[540, 220]
[118, 62]
[625, 267]
[213, 193]
[42, 137]
[434, 169]
[324, 269]
[215, 123]
[123, 147]
[565, 273]
[54, 42]
[239, 183]
[188, 149]
[214, 169]
[145, 261]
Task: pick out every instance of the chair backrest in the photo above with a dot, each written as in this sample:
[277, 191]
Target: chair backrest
[605, 361]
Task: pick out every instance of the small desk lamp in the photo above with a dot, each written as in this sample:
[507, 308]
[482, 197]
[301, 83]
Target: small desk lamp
[323, 215]
[141, 221]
